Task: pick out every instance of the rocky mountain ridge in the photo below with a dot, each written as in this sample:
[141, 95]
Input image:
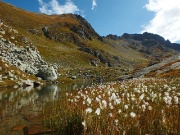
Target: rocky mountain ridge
[147, 39]
[153, 46]
[150, 39]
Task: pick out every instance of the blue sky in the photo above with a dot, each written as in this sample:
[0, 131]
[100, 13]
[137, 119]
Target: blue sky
[116, 16]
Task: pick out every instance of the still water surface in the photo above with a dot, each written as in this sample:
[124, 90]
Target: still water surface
[15, 104]
[30, 94]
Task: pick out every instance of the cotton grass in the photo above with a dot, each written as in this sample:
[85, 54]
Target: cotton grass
[137, 106]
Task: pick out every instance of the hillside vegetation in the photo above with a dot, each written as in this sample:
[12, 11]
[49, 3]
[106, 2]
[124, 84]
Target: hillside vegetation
[63, 35]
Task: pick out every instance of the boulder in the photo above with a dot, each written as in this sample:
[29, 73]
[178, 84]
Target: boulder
[47, 73]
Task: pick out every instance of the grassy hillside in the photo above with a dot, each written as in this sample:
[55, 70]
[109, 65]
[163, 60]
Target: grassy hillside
[65, 52]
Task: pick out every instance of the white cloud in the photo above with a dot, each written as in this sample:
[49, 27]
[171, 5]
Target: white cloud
[166, 21]
[94, 4]
[53, 7]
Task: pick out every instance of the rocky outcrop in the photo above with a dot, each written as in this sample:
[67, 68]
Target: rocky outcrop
[52, 33]
[97, 54]
[81, 32]
[75, 33]
[26, 59]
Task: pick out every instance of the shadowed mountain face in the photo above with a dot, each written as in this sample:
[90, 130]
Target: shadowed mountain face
[149, 39]
[69, 42]
[153, 46]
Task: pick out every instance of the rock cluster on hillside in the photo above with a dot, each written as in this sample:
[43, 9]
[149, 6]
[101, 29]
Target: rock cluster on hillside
[26, 58]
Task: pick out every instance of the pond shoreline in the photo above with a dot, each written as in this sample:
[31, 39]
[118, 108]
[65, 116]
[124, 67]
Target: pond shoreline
[22, 111]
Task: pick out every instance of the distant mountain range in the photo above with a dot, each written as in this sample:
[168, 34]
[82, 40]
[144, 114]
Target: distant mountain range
[149, 44]
[69, 42]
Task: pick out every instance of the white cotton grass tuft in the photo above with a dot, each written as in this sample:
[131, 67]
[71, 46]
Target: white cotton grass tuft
[149, 108]
[104, 103]
[141, 97]
[132, 114]
[119, 111]
[84, 123]
[176, 100]
[110, 115]
[126, 107]
[88, 110]
[98, 111]
[89, 101]
[116, 121]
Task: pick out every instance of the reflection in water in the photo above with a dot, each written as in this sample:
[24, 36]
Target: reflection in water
[23, 96]
[17, 104]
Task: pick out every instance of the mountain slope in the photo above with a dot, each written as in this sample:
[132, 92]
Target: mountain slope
[68, 40]
[67, 36]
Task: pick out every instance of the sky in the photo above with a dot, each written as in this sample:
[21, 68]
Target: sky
[160, 17]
